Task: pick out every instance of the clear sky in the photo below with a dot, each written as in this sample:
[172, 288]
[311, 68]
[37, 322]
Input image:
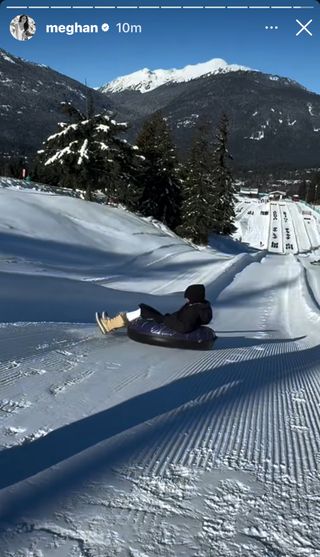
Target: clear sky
[169, 38]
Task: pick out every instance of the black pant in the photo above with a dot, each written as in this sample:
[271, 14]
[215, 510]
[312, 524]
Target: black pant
[148, 312]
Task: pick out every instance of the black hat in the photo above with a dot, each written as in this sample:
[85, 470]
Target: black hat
[195, 293]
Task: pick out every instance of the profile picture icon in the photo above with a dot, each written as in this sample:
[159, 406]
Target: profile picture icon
[22, 27]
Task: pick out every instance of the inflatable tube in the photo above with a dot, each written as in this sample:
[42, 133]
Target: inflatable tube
[148, 331]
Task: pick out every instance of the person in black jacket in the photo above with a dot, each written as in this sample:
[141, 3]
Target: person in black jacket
[196, 312]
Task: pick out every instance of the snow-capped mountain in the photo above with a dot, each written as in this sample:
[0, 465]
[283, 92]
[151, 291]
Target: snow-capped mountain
[274, 121]
[146, 80]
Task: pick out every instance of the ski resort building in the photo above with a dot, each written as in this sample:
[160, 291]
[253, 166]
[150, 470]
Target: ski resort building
[277, 195]
[249, 192]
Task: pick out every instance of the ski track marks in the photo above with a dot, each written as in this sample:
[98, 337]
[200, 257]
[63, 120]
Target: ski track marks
[271, 434]
[228, 470]
[54, 356]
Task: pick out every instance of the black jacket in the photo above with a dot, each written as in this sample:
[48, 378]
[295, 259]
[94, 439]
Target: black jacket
[189, 317]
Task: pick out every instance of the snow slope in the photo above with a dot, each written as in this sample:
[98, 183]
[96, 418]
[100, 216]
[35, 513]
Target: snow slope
[86, 255]
[146, 80]
[114, 448]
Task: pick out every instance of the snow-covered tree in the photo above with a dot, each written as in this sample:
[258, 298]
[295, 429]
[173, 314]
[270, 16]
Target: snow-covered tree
[223, 185]
[88, 154]
[198, 193]
[160, 176]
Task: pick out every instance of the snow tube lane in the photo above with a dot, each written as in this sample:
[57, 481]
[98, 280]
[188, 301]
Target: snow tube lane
[150, 332]
[275, 236]
[290, 243]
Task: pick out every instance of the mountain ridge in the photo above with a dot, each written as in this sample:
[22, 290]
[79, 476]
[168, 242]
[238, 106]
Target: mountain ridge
[30, 99]
[274, 121]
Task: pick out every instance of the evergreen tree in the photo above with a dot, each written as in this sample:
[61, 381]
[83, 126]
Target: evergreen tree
[13, 166]
[311, 192]
[223, 185]
[302, 192]
[315, 185]
[88, 154]
[160, 178]
[198, 194]
[126, 177]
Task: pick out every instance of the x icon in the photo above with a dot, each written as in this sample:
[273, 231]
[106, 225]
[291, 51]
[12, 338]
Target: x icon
[304, 27]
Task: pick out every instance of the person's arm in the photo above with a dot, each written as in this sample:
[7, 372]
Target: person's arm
[188, 324]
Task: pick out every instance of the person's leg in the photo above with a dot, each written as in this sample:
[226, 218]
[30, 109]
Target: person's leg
[132, 315]
[145, 308]
[148, 312]
[108, 324]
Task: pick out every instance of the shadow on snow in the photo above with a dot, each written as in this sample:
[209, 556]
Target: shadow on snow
[212, 390]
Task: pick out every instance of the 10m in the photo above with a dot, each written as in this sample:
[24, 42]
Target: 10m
[129, 28]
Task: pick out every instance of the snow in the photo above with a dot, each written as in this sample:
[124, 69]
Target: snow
[188, 122]
[146, 80]
[83, 152]
[114, 448]
[5, 56]
[66, 129]
[103, 128]
[285, 224]
[310, 109]
[257, 136]
[60, 154]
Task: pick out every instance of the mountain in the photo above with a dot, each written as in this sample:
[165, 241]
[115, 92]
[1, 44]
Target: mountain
[274, 121]
[146, 80]
[30, 97]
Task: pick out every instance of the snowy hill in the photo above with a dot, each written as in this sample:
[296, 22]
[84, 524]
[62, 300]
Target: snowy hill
[114, 448]
[74, 247]
[147, 80]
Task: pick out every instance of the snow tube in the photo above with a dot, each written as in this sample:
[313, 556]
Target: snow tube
[150, 332]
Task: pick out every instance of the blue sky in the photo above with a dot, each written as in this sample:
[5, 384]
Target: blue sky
[170, 38]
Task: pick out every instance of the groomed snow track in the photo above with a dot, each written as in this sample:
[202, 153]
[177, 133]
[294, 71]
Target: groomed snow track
[211, 454]
[291, 227]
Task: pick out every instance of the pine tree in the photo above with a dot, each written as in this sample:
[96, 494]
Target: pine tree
[315, 187]
[310, 195]
[88, 154]
[160, 179]
[223, 185]
[198, 194]
[126, 174]
[302, 192]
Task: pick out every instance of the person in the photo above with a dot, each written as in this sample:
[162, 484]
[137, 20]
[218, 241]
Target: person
[196, 312]
[21, 29]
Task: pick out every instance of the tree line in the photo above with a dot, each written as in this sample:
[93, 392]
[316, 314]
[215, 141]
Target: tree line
[193, 198]
[309, 190]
